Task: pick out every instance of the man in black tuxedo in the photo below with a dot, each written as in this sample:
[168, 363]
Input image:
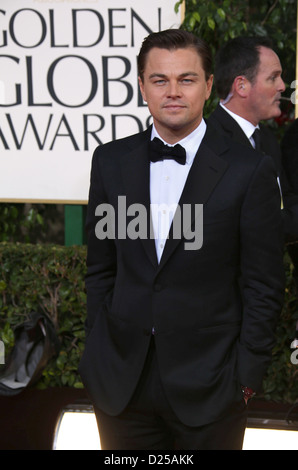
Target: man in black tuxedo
[183, 300]
[248, 81]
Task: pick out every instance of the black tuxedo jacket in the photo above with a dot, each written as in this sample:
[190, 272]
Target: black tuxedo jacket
[226, 124]
[213, 309]
[289, 149]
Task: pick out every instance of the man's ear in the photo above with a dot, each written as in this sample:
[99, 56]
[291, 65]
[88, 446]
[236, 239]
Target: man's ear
[209, 87]
[141, 85]
[241, 86]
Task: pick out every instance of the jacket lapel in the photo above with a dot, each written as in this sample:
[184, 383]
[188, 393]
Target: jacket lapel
[221, 120]
[135, 168]
[206, 171]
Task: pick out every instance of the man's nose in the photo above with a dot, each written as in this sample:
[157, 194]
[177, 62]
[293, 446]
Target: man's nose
[174, 89]
[281, 85]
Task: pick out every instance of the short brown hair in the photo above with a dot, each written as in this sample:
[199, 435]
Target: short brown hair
[172, 39]
[239, 56]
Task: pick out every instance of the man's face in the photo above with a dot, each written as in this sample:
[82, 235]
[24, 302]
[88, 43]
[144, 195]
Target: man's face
[265, 91]
[175, 88]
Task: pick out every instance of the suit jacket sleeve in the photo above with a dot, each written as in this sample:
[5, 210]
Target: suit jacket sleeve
[101, 254]
[262, 274]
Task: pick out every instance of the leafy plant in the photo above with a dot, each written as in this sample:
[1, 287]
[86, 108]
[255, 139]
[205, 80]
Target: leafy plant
[220, 20]
[281, 381]
[16, 221]
[32, 223]
[49, 279]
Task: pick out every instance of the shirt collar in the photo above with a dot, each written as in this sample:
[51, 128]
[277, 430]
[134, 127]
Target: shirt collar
[247, 127]
[191, 142]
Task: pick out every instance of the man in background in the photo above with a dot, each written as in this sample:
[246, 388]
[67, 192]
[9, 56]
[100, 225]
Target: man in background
[248, 81]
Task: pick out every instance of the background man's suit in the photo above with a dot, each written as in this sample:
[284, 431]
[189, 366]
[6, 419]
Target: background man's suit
[289, 149]
[227, 125]
[213, 310]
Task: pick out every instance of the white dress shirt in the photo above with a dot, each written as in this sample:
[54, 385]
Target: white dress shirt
[167, 180]
[247, 127]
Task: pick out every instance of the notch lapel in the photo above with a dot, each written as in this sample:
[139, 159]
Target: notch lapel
[224, 122]
[207, 170]
[135, 168]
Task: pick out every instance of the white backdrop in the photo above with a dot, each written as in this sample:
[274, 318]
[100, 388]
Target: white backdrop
[68, 82]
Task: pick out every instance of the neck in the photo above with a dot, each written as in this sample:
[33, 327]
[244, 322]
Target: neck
[173, 135]
[241, 111]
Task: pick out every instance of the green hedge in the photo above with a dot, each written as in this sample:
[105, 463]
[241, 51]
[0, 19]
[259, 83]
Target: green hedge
[281, 382]
[50, 278]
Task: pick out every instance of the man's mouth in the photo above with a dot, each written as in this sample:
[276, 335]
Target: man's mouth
[173, 106]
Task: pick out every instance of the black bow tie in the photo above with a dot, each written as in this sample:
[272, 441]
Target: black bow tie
[160, 151]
